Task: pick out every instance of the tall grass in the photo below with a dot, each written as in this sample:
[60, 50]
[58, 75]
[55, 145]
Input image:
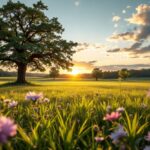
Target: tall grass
[66, 122]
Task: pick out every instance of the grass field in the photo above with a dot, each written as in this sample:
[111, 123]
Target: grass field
[73, 118]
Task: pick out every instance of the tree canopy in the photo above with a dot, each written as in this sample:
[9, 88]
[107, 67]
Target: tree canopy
[28, 38]
[97, 73]
[54, 72]
[123, 74]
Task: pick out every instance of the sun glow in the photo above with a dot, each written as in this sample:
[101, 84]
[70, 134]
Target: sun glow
[74, 72]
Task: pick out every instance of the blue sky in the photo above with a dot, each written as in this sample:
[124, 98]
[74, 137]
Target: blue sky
[90, 21]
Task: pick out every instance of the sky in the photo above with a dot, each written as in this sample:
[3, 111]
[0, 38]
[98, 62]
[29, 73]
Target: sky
[112, 34]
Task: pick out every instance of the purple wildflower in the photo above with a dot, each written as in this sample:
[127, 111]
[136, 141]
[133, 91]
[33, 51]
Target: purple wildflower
[120, 109]
[147, 148]
[12, 104]
[96, 128]
[33, 96]
[7, 129]
[118, 134]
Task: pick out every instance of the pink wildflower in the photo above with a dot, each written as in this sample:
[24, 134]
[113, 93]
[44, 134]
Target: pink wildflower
[7, 101]
[147, 138]
[99, 139]
[148, 93]
[46, 100]
[113, 116]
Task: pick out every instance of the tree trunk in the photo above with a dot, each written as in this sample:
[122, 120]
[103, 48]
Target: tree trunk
[21, 76]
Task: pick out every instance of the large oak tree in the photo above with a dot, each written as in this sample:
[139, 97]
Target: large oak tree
[28, 38]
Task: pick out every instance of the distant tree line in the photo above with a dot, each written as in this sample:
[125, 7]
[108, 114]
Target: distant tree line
[6, 73]
[124, 73]
[143, 73]
[14, 74]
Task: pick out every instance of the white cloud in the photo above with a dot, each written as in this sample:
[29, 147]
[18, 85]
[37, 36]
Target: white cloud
[128, 7]
[88, 65]
[77, 3]
[123, 11]
[139, 35]
[116, 25]
[118, 67]
[116, 18]
[142, 15]
[91, 46]
[142, 32]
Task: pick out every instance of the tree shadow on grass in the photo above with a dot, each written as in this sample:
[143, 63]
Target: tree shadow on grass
[11, 84]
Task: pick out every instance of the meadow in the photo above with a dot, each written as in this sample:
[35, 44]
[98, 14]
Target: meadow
[77, 115]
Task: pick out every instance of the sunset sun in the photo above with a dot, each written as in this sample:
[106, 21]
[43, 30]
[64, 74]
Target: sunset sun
[75, 72]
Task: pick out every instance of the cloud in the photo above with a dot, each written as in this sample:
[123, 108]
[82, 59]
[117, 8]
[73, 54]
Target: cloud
[119, 67]
[116, 18]
[114, 50]
[123, 11]
[144, 33]
[139, 35]
[127, 36]
[142, 15]
[89, 65]
[128, 7]
[84, 46]
[142, 50]
[77, 3]
[92, 62]
[116, 25]
[147, 56]
[135, 56]
[134, 49]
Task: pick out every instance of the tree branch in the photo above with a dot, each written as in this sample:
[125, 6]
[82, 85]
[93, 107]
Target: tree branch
[8, 59]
